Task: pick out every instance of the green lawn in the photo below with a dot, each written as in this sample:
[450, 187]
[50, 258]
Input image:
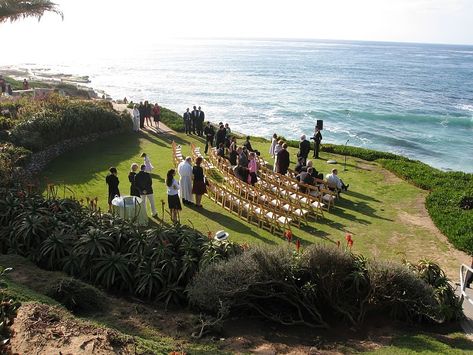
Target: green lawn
[384, 214]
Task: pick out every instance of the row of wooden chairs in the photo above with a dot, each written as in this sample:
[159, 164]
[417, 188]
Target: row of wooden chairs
[206, 164]
[265, 217]
[270, 183]
[177, 156]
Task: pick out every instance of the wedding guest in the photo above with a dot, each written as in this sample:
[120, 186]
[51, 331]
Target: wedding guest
[141, 109]
[136, 119]
[283, 160]
[144, 184]
[248, 146]
[228, 130]
[252, 169]
[134, 191]
[317, 139]
[198, 188]
[200, 121]
[242, 164]
[187, 121]
[156, 114]
[112, 182]
[304, 149]
[184, 170]
[26, 85]
[194, 118]
[233, 154]
[125, 100]
[299, 165]
[315, 173]
[221, 151]
[221, 133]
[335, 183]
[147, 110]
[274, 143]
[277, 149]
[147, 163]
[306, 178]
[173, 195]
[209, 133]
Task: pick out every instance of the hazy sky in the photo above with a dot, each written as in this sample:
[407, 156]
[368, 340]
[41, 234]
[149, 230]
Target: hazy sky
[90, 22]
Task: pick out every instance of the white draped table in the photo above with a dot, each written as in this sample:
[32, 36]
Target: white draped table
[130, 208]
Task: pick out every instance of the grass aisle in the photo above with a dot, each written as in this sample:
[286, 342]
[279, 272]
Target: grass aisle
[385, 215]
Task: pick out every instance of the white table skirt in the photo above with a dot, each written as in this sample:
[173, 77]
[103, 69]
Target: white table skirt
[130, 208]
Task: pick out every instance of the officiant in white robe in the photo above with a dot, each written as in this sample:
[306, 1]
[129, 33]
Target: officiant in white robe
[184, 170]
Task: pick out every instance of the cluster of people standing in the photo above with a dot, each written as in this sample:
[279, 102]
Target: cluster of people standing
[194, 121]
[146, 113]
[192, 182]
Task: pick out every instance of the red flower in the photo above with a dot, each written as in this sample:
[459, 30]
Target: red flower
[298, 245]
[348, 237]
[288, 235]
[350, 243]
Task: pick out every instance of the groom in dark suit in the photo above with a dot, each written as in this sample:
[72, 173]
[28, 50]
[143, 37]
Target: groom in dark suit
[195, 119]
[304, 149]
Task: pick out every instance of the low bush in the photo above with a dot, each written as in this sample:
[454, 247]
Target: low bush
[172, 119]
[319, 287]
[77, 296]
[12, 159]
[57, 118]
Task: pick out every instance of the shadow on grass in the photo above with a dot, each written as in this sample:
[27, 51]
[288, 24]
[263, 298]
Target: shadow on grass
[315, 232]
[422, 343]
[360, 207]
[361, 196]
[231, 223]
[81, 164]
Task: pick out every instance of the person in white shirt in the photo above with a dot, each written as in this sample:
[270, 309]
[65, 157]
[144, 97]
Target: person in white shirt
[334, 182]
[136, 118]
[274, 142]
[277, 149]
[173, 195]
[185, 172]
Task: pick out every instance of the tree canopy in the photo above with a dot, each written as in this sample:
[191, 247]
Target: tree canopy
[14, 10]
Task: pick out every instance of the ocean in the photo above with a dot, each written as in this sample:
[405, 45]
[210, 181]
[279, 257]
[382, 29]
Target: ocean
[411, 99]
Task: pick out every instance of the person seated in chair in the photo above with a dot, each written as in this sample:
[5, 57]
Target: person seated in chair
[221, 150]
[306, 178]
[335, 183]
[300, 165]
[248, 146]
[315, 173]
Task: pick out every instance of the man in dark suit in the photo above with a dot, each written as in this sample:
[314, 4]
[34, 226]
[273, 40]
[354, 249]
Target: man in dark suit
[317, 139]
[195, 118]
[187, 121]
[283, 160]
[141, 110]
[221, 134]
[209, 136]
[144, 184]
[306, 178]
[304, 149]
[200, 122]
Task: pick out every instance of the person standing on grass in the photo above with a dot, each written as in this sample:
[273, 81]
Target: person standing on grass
[147, 163]
[156, 114]
[233, 154]
[274, 143]
[187, 121]
[221, 134]
[304, 149]
[209, 133]
[317, 139]
[141, 109]
[144, 184]
[112, 182]
[198, 188]
[277, 149]
[194, 119]
[184, 170]
[136, 119]
[148, 110]
[283, 160]
[131, 178]
[200, 122]
[173, 195]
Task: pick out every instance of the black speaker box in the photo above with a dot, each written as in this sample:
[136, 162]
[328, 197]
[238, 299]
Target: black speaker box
[320, 124]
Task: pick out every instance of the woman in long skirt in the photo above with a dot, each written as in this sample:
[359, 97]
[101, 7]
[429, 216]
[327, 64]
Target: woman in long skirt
[198, 188]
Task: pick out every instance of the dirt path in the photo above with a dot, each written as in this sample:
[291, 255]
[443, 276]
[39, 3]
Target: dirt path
[163, 129]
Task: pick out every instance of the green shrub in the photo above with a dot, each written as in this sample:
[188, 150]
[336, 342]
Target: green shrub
[77, 296]
[6, 123]
[12, 158]
[58, 118]
[172, 119]
[319, 287]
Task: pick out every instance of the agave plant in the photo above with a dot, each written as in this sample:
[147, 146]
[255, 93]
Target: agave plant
[55, 248]
[27, 233]
[149, 279]
[113, 271]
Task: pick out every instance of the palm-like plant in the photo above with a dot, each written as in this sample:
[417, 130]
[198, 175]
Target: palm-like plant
[149, 279]
[14, 10]
[55, 248]
[113, 270]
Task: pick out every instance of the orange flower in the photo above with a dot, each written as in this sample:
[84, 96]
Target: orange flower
[348, 237]
[298, 245]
